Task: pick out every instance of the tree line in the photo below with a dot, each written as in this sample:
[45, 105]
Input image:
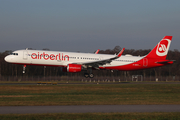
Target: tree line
[7, 69]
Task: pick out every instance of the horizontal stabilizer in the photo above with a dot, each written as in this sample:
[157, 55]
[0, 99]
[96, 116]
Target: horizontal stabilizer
[165, 62]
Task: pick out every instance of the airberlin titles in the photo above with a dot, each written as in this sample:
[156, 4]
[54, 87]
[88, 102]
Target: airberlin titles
[46, 56]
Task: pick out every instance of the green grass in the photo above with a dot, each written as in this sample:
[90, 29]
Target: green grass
[93, 116]
[14, 95]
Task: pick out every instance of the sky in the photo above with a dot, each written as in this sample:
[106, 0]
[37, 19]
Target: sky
[88, 25]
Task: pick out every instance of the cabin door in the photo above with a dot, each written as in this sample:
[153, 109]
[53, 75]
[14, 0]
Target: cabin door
[25, 54]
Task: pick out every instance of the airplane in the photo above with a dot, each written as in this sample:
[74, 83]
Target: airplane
[77, 62]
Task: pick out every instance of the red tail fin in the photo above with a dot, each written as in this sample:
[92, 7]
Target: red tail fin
[161, 49]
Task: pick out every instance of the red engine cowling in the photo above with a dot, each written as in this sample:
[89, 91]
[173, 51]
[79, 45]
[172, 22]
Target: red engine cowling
[74, 68]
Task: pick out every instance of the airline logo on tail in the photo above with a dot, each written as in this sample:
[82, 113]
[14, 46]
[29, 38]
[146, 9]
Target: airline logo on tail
[163, 47]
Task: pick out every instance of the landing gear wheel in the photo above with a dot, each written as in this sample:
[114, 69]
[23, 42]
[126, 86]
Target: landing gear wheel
[86, 75]
[91, 75]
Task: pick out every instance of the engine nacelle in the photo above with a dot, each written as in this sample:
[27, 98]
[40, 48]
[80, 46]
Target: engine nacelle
[74, 68]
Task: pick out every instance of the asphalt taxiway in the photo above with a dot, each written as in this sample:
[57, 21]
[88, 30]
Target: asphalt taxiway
[88, 109]
[52, 83]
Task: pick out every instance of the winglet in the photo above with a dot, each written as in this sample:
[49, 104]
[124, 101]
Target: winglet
[97, 52]
[121, 52]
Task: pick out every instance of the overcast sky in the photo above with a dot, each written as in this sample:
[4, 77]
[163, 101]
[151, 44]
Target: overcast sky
[88, 25]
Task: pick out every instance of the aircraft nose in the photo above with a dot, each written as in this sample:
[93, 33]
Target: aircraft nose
[7, 58]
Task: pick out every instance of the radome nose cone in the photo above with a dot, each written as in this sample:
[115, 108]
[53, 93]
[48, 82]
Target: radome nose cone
[7, 59]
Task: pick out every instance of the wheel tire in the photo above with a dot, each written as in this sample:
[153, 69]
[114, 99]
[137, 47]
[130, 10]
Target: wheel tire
[91, 75]
[86, 75]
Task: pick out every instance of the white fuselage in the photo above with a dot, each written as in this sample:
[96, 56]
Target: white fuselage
[62, 59]
[74, 62]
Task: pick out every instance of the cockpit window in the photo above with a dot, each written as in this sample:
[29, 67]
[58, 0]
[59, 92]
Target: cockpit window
[14, 54]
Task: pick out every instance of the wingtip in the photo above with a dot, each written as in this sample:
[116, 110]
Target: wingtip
[97, 51]
[120, 53]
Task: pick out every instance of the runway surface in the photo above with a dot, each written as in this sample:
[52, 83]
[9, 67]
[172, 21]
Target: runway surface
[88, 109]
[44, 83]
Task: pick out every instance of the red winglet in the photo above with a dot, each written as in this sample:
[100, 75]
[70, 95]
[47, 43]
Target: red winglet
[97, 51]
[120, 53]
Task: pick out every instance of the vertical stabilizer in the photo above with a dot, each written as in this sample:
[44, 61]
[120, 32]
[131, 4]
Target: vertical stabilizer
[161, 49]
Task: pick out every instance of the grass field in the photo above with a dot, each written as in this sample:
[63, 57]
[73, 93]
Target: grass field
[95, 94]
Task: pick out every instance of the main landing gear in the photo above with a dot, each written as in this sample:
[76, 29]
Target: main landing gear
[86, 75]
[89, 73]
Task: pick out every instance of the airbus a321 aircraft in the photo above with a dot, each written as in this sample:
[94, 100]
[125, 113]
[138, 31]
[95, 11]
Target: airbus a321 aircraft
[76, 62]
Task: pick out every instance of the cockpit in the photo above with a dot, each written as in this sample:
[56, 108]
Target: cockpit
[12, 57]
[14, 54]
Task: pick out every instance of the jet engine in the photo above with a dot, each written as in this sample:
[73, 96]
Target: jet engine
[74, 68]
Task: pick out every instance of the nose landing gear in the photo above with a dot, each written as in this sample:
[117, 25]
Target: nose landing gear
[24, 68]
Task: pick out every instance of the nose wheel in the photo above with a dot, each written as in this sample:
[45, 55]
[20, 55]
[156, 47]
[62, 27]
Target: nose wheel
[24, 68]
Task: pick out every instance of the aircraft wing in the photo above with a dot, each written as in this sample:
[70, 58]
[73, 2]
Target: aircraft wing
[96, 64]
